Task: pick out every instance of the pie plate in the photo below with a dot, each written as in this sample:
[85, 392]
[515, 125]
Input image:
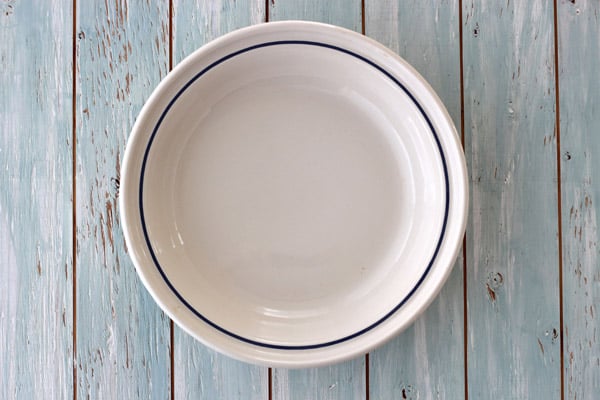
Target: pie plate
[293, 194]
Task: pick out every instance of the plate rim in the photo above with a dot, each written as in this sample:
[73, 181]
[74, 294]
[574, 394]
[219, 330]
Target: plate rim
[267, 353]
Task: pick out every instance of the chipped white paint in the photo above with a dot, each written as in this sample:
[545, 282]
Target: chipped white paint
[122, 336]
[36, 352]
[512, 245]
[200, 21]
[346, 13]
[339, 381]
[9, 299]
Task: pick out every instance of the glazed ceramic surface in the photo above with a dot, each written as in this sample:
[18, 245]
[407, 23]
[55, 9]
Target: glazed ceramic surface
[293, 194]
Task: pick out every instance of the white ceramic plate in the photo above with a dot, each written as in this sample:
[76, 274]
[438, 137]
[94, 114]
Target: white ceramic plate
[293, 194]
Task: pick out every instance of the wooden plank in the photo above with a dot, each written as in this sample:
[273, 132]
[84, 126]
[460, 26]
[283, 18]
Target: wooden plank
[579, 63]
[122, 336]
[416, 363]
[36, 330]
[201, 372]
[346, 13]
[339, 381]
[200, 21]
[345, 380]
[512, 246]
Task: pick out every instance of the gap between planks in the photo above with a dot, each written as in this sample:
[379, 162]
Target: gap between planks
[171, 325]
[367, 379]
[269, 370]
[464, 246]
[74, 192]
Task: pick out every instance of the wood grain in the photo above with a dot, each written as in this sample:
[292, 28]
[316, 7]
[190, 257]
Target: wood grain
[201, 372]
[346, 13]
[512, 244]
[416, 363]
[579, 63]
[345, 380]
[123, 339]
[122, 336]
[339, 381]
[36, 332]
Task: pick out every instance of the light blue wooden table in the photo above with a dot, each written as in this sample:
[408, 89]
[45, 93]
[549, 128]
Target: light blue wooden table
[519, 317]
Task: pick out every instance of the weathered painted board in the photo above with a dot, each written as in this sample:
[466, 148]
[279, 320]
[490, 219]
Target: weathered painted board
[345, 380]
[512, 251]
[427, 360]
[339, 381]
[579, 80]
[512, 236]
[122, 336]
[346, 13]
[36, 307]
[198, 371]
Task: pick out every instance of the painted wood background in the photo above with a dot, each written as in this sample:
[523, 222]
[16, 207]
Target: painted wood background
[518, 318]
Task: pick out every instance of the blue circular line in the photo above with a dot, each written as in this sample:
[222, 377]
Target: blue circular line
[162, 272]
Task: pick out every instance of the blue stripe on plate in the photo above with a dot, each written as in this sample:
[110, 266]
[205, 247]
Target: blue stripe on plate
[180, 296]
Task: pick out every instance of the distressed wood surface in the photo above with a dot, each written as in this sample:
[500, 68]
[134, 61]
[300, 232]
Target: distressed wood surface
[415, 364]
[512, 239]
[122, 336]
[115, 342]
[346, 13]
[579, 52]
[345, 380]
[338, 381]
[36, 330]
[201, 373]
